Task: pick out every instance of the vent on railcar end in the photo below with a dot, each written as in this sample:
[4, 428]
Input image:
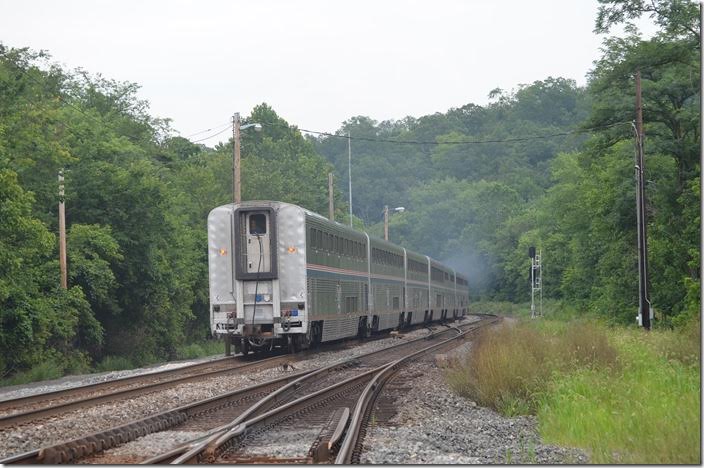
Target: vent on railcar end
[256, 244]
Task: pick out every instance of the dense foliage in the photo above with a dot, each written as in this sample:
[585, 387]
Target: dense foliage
[480, 206]
[136, 201]
[137, 196]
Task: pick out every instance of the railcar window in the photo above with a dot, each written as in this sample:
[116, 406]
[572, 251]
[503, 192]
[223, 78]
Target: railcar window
[351, 304]
[257, 223]
[418, 267]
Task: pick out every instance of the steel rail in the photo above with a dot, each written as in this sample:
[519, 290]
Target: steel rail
[207, 450]
[43, 412]
[47, 397]
[78, 448]
[191, 449]
[73, 450]
[9, 403]
[351, 440]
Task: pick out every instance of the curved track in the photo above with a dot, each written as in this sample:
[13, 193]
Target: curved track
[313, 405]
[311, 425]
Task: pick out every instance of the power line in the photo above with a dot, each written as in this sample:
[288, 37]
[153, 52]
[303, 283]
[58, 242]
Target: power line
[211, 136]
[209, 129]
[467, 142]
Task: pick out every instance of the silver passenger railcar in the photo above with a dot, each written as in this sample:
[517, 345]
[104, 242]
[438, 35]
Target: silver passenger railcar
[281, 275]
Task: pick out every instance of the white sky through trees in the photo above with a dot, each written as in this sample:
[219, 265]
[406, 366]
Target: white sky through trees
[315, 62]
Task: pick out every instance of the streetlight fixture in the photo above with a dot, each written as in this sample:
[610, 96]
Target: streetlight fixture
[236, 128]
[398, 209]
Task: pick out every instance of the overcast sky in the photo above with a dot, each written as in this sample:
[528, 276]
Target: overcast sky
[316, 63]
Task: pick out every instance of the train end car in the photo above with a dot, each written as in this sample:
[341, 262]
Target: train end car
[256, 262]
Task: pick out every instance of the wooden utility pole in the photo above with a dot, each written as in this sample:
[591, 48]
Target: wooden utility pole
[641, 214]
[386, 222]
[331, 206]
[236, 187]
[349, 171]
[62, 233]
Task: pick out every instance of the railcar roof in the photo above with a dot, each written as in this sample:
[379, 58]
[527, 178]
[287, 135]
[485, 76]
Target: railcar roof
[271, 203]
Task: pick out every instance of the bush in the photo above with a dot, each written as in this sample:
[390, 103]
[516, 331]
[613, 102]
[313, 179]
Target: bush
[200, 349]
[114, 363]
[47, 370]
[511, 364]
[504, 369]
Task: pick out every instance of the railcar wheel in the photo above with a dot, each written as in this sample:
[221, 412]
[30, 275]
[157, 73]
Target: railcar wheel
[375, 324]
[292, 342]
[316, 334]
[362, 328]
[228, 345]
[244, 346]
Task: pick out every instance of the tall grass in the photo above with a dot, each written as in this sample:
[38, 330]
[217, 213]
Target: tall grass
[512, 364]
[624, 395]
[45, 371]
[201, 349]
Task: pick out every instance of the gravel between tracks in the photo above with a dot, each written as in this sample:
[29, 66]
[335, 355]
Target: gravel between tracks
[70, 381]
[435, 426]
[78, 423]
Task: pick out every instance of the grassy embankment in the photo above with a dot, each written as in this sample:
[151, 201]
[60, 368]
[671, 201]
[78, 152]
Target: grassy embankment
[51, 370]
[624, 395]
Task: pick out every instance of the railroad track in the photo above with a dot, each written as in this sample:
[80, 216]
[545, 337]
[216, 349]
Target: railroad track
[351, 447]
[315, 421]
[17, 411]
[31, 408]
[215, 416]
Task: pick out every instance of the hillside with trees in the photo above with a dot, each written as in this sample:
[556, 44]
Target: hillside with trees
[137, 199]
[561, 178]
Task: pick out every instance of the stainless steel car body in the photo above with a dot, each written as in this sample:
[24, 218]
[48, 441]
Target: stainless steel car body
[278, 271]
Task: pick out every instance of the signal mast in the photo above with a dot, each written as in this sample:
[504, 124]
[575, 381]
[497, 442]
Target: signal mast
[536, 282]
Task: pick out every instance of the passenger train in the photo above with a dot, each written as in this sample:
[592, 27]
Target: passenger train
[281, 275]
